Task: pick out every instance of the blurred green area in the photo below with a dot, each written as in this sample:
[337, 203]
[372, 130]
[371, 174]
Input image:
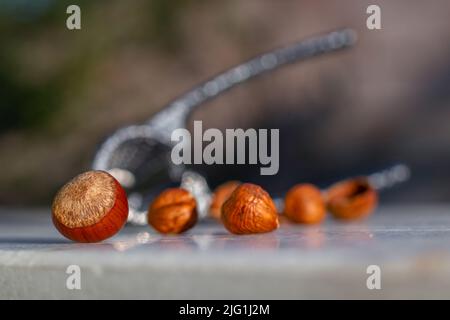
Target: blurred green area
[24, 105]
[63, 91]
[29, 104]
[48, 74]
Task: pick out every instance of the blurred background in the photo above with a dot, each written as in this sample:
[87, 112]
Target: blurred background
[385, 101]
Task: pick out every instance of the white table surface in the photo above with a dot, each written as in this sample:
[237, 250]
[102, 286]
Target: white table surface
[411, 245]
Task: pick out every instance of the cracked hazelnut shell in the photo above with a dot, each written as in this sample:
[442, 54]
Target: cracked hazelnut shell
[351, 199]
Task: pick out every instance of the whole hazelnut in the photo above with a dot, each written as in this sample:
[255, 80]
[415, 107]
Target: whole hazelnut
[90, 208]
[351, 199]
[304, 204]
[221, 194]
[173, 211]
[248, 210]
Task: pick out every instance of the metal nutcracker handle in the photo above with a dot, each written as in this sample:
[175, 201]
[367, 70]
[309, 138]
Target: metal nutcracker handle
[136, 152]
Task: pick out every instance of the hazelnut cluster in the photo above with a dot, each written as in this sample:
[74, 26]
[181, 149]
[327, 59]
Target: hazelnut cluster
[93, 206]
[249, 209]
[346, 200]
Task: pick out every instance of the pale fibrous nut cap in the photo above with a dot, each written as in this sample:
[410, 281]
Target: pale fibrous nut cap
[85, 200]
[90, 208]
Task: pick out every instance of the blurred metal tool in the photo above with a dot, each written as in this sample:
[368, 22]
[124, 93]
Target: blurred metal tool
[139, 155]
[380, 180]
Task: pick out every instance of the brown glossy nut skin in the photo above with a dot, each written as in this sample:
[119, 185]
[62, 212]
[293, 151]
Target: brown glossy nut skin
[351, 199]
[221, 194]
[91, 207]
[249, 210]
[304, 204]
[173, 211]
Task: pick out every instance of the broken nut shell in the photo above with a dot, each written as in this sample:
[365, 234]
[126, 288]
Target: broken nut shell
[351, 199]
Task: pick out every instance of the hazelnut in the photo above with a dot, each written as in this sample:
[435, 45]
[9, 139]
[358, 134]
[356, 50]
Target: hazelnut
[221, 194]
[248, 210]
[304, 204]
[90, 208]
[351, 199]
[173, 211]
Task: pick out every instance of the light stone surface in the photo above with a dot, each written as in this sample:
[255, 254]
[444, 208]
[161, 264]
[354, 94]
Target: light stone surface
[411, 245]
